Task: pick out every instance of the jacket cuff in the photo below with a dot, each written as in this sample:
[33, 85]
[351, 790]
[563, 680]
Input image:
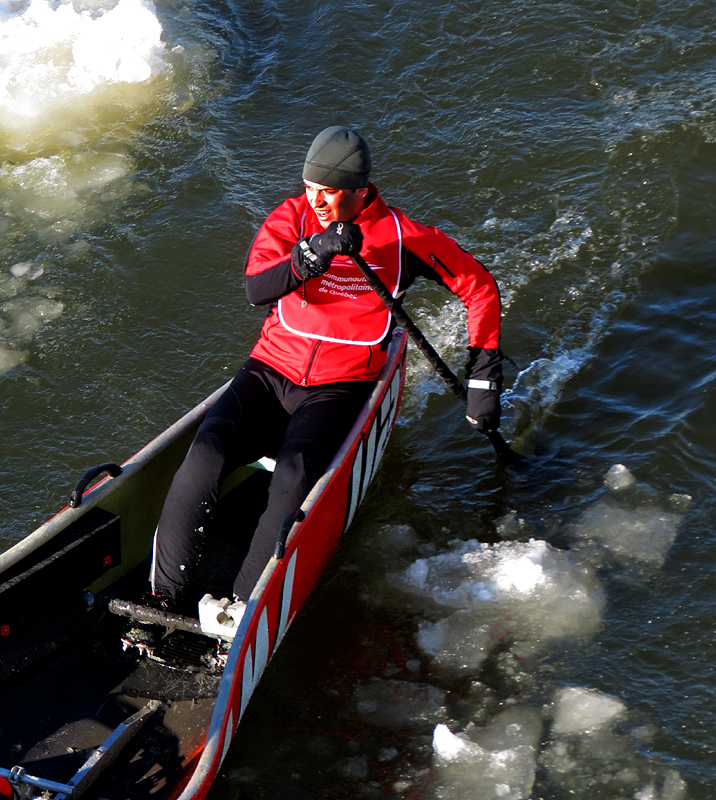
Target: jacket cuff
[484, 365]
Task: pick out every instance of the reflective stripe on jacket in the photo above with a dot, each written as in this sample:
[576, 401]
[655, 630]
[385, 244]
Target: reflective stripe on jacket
[330, 328]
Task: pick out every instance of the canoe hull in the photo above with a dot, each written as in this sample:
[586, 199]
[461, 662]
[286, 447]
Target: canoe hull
[202, 714]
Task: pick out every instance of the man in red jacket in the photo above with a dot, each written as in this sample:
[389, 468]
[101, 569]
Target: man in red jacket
[321, 347]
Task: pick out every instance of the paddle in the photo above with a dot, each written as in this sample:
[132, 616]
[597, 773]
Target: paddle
[503, 451]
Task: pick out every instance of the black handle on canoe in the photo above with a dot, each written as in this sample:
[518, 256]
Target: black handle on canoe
[295, 516]
[503, 451]
[76, 495]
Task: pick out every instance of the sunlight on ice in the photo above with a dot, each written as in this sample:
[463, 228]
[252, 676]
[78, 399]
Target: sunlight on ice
[583, 710]
[497, 761]
[526, 591]
[618, 477]
[67, 70]
[54, 54]
[70, 71]
[585, 751]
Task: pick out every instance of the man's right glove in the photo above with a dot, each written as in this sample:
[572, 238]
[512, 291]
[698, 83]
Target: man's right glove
[312, 257]
[483, 405]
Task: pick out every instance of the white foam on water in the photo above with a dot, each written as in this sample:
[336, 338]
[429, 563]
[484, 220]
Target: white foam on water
[54, 55]
[526, 591]
[539, 386]
[533, 254]
[445, 328]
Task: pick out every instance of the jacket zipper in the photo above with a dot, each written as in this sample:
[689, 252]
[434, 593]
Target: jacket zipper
[304, 379]
[435, 258]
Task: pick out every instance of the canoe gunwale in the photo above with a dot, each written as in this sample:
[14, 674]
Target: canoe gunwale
[97, 493]
[223, 726]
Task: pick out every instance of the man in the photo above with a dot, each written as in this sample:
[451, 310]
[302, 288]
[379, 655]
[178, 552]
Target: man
[321, 349]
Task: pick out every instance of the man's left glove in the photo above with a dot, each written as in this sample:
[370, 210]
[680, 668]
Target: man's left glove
[312, 257]
[483, 405]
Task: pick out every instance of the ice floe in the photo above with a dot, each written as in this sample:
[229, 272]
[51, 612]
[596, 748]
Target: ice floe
[585, 754]
[25, 307]
[642, 534]
[618, 477]
[498, 761]
[630, 524]
[578, 710]
[55, 54]
[529, 591]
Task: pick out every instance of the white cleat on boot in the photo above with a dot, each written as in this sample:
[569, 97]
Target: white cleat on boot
[220, 617]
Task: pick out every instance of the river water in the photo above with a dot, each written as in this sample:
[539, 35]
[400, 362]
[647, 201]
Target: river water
[481, 634]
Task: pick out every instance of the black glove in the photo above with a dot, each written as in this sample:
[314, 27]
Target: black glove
[483, 407]
[312, 257]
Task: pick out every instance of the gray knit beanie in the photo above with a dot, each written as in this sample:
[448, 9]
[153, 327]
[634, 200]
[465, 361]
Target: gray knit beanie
[338, 158]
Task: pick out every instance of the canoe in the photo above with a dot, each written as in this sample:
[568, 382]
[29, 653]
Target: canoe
[83, 717]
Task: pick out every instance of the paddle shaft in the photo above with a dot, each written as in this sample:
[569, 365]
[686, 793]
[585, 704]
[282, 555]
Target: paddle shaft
[503, 451]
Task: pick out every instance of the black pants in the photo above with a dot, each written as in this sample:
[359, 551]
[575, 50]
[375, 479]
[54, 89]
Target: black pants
[260, 412]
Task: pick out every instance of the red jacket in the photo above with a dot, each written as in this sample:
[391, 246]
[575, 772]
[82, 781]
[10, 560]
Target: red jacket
[332, 328]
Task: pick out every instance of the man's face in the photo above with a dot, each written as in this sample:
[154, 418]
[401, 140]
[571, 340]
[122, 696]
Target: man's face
[334, 205]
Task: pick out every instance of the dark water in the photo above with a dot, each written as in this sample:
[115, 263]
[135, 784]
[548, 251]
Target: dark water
[572, 147]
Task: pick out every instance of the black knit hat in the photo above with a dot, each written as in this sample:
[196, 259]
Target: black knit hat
[338, 158]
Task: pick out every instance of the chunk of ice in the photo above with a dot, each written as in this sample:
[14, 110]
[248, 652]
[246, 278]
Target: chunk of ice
[453, 747]
[529, 591]
[578, 710]
[28, 314]
[10, 358]
[21, 269]
[502, 770]
[643, 534]
[674, 787]
[457, 641]
[618, 477]
[58, 52]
